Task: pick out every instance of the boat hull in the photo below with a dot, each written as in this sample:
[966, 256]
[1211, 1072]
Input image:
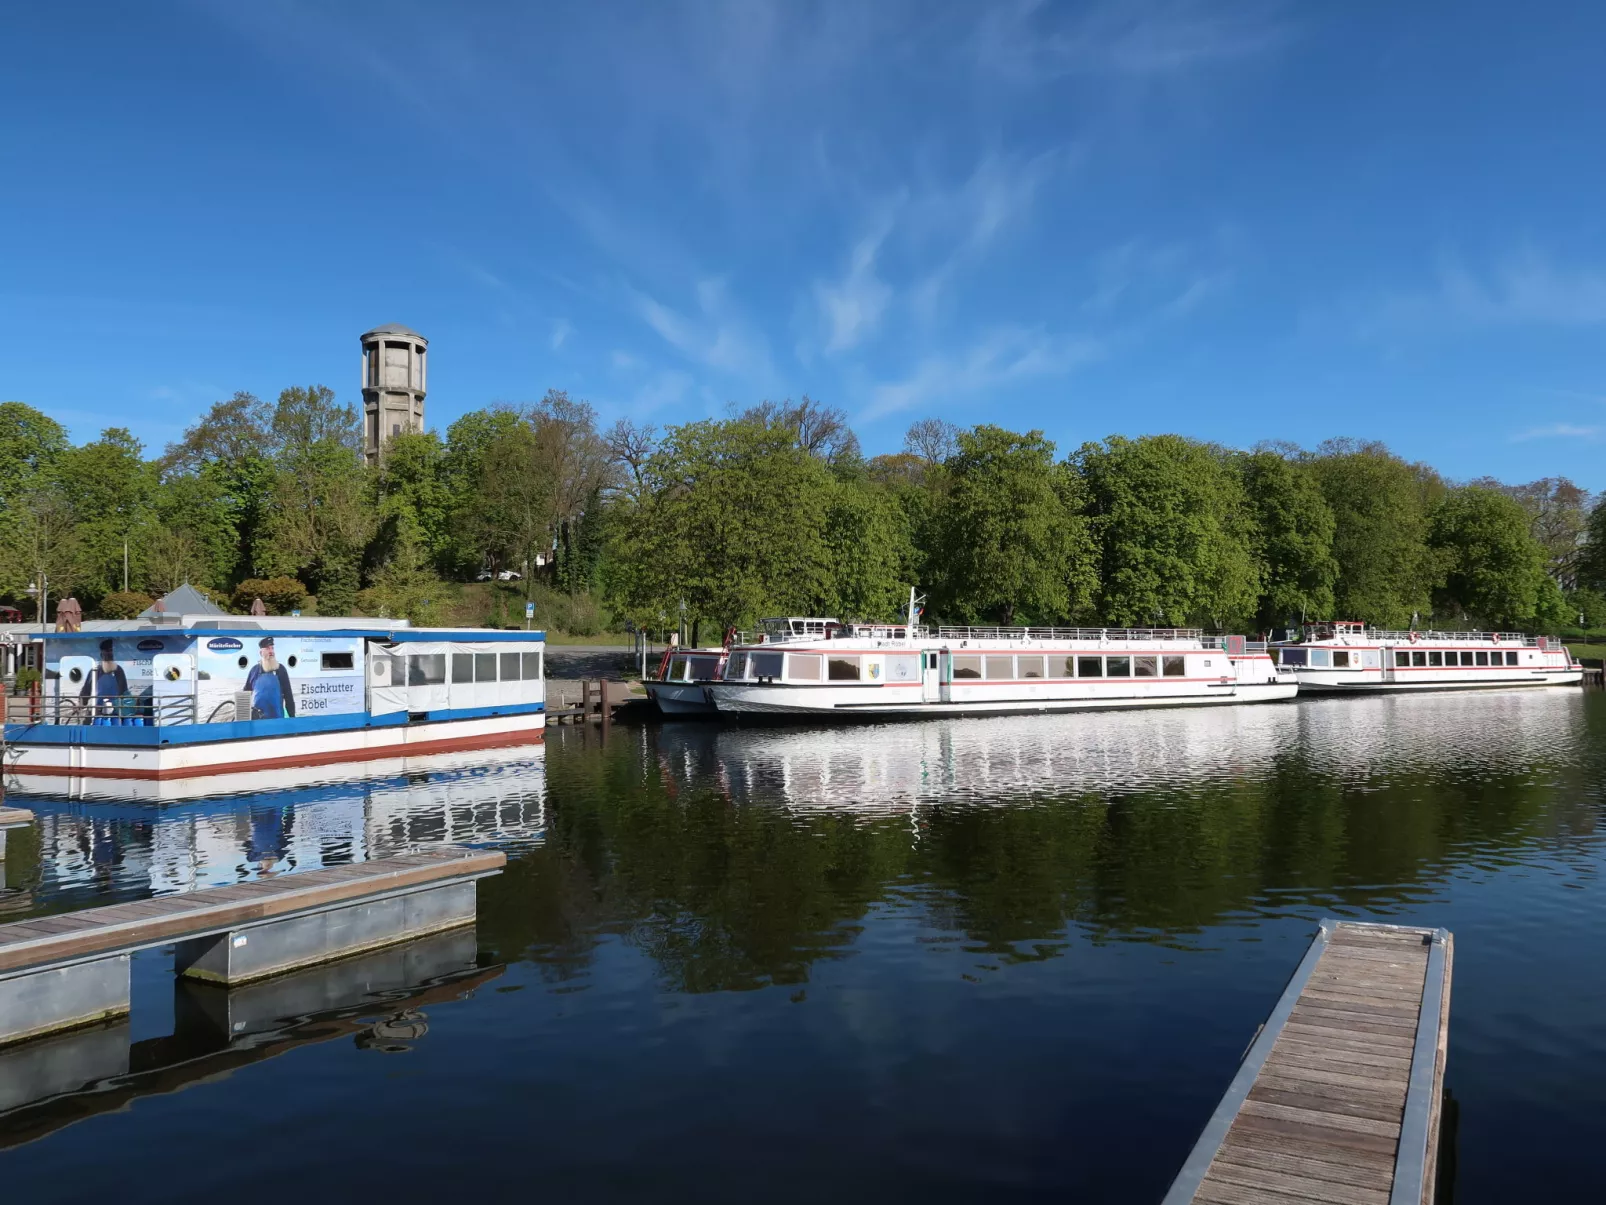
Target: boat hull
[680, 698]
[1370, 680]
[38, 767]
[883, 702]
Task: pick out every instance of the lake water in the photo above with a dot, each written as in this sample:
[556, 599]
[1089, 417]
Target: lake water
[1001, 959]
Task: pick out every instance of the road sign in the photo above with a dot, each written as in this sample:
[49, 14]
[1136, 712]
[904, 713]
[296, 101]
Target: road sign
[529, 610]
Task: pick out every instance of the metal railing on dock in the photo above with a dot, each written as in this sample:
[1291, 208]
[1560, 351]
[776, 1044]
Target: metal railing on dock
[130, 710]
[1338, 1097]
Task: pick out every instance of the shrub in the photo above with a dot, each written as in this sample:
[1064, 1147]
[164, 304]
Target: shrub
[124, 604]
[280, 595]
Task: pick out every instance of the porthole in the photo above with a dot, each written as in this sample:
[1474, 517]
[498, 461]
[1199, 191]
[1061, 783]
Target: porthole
[76, 674]
[244, 661]
[292, 661]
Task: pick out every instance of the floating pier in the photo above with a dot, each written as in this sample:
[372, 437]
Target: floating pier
[1338, 1097]
[60, 972]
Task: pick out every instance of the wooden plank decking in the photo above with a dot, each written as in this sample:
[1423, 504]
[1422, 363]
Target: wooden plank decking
[15, 817]
[1337, 1100]
[132, 926]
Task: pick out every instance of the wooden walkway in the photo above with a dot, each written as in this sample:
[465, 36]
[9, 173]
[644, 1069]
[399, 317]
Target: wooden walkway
[1337, 1100]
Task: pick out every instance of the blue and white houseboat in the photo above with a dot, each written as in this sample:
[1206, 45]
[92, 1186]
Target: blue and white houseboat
[189, 696]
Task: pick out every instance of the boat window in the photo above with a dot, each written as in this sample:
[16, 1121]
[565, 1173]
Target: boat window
[1000, 668]
[766, 665]
[803, 667]
[1117, 667]
[1511, 657]
[1340, 659]
[1090, 667]
[1483, 657]
[1435, 659]
[1064, 667]
[842, 669]
[903, 667]
[1292, 656]
[335, 661]
[701, 669]
[1030, 667]
[1402, 659]
[1419, 659]
[1321, 658]
[967, 667]
[462, 667]
[1176, 667]
[426, 669]
[740, 664]
[485, 667]
[532, 666]
[1145, 667]
[1466, 657]
[510, 666]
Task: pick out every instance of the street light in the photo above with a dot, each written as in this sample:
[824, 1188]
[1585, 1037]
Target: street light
[42, 594]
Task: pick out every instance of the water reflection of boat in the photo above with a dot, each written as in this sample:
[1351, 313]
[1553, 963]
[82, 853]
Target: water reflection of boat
[377, 1000]
[130, 849]
[989, 761]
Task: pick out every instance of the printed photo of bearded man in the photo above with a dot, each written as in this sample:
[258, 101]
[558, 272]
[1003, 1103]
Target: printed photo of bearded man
[272, 696]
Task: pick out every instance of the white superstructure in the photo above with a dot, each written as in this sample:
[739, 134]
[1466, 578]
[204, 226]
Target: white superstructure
[1349, 656]
[814, 667]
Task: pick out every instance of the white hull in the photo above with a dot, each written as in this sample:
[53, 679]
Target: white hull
[680, 698]
[881, 701]
[46, 768]
[1352, 681]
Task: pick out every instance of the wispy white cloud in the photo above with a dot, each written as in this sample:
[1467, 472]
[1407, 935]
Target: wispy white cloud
[1525, 288]
[1005, 356]
[1557, 431]
[561, 330]
[717, 338]
[851, 308]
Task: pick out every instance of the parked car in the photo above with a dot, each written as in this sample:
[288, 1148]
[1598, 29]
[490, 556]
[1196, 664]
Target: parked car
[510, 575]
[484, 575]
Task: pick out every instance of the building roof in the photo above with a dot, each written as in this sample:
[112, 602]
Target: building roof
[186, 600]
[395, 328]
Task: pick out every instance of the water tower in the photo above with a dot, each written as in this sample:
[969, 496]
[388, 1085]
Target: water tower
[393, 383]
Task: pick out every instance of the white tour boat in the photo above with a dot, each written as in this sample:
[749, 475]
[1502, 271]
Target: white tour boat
[178, 697]
[1349, 656]
[816, 667]
[680, 689]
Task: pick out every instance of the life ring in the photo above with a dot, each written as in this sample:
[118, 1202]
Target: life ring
[1415, 636]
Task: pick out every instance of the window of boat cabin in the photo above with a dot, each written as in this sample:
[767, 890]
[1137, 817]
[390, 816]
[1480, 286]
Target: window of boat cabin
[1511, 656]
[1117, 667]
[510, 666]
[1000, 668]
[1176, 667]
[1030, 667]
[701, 669]
[768, 665]
[1145, 667]
[842, 669]
[903, 667]
[1321, 658]
[1090, 667]
[426, 669]
[462, 667]
[1402, 659]
[335, 661]
[1419, 659]
[1063, 667]
[531, 664]
[804, 667]
[967, 667]
[1435, 660]
[1483, 657]
[1340, 659]
[485, 667]
[1291, 656]
[1467, 657]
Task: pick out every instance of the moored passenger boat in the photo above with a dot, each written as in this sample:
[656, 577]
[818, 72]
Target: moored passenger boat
[821, 668]
[194, 696]
[680, 689]
[1349, 656]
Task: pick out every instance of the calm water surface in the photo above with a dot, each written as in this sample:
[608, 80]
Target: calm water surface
[1008, 959]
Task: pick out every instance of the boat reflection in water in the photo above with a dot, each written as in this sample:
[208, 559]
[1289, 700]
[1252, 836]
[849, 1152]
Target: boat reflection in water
[378, 1000]
[128, 851]
[986, 761]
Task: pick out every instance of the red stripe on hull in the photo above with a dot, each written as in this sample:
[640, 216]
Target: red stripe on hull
[490, 740]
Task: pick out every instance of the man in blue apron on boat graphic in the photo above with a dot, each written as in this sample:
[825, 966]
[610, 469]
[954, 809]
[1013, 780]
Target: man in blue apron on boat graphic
[108, 684]
[272, 697]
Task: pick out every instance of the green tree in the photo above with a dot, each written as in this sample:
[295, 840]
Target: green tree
[40, 547]
[410, 490]
[1493, 567]
[869, 552]
[1591, 565]
[1386, 571]
[112, 491]
[468, 443]
[1009, 544]
[228, 456]
[1175, 530]
[1296, 539]
[31, 444]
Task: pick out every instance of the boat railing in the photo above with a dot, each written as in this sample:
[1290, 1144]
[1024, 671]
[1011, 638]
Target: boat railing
[983, 633]
[107, 711]
[1407, 637]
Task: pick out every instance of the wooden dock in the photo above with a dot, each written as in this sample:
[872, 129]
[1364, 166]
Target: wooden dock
[1338, 1098]
[12, 818]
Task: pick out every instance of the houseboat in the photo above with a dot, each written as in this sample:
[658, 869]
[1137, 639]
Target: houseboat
[189, 696]
[821, 668]
[1349, 656]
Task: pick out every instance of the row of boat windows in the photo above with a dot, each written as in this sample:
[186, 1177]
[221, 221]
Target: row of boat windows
[1416, 658]
[429, 669]
[907, 667]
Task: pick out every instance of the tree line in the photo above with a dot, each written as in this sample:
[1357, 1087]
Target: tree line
[775, 510]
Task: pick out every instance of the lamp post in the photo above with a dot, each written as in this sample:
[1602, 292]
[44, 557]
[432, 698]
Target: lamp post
[42, 594]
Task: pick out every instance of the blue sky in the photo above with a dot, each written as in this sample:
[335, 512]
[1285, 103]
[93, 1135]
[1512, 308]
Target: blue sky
[1239, 221]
